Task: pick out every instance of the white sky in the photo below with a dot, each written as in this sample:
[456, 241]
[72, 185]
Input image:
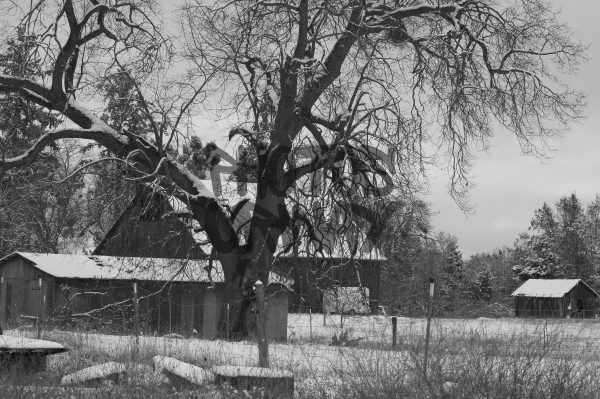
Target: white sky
[509, 186]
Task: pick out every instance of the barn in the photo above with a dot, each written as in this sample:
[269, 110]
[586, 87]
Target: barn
[555, 298]
[175, 295]
[155, 226]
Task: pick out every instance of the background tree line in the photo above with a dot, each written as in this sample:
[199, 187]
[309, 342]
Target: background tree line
[562, 241]
[478, 286]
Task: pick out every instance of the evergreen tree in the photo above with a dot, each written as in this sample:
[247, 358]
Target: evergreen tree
[199, 159]
[559, 243]
[453, 265]
[574, 253]
[43, 215]
[481, 288]
[124, 107]
[537, 258]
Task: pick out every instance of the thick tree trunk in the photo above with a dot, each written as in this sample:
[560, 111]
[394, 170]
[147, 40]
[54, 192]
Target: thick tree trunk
[254, 262]
[269, 221]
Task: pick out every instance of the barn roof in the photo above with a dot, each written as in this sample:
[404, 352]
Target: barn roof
[334, 245]
[129, 268]
[546, 288]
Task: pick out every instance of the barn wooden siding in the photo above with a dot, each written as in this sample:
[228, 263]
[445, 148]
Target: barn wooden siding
[145, 229]
[169, 307]
[584, 303]
[313, 275]
[164, 307]
[169, 238]
[19, 291]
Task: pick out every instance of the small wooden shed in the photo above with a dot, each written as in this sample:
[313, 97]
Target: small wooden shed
[175, 295]
[556, 298]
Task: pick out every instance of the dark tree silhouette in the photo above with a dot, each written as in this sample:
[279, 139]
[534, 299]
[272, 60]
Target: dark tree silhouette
[364, 94]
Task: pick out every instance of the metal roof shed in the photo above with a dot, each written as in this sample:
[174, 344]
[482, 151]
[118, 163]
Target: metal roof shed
[555, 298]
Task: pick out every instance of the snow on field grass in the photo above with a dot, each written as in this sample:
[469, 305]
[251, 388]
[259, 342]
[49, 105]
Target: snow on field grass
[316, 364]
[378, 329]
[466, 351]
[302, 359]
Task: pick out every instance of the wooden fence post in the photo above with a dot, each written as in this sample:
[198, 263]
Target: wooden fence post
[263, 345]
[394, 330]
[428, 332]
[170, 299]
[136, 319]
[41, 310]
[227, 322]
[310, 321]
[158, 325]
[3, 319]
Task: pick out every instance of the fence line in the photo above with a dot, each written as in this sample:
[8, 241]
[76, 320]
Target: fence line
[393, 333]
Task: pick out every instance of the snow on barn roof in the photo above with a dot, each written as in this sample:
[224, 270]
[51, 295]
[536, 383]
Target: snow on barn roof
[228, 193]
[544, 288]
[130, 268]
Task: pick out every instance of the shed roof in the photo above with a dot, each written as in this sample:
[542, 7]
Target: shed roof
[546, 288]
[129, 268]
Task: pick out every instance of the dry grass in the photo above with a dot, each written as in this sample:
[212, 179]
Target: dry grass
[543, 360]
[472, 365]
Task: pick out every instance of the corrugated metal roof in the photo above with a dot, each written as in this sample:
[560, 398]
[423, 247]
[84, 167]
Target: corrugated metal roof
[129, 268]
[546, 288]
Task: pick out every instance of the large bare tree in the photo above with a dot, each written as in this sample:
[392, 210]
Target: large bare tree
[360, 94]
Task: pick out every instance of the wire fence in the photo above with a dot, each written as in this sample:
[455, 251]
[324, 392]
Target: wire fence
[104, 322]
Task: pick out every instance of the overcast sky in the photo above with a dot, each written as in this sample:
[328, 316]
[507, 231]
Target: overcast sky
[509, 186]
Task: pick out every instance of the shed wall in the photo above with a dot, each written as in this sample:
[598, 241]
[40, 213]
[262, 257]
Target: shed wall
[277, 313]
[582, 301]
[177, 307]
[20, 293]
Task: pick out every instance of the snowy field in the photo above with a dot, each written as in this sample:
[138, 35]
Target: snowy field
[308, 349]
[313, 361]
[378, 329]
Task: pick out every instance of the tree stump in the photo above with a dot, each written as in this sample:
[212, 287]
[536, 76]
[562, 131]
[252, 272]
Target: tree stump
[22, 362]
[25, 355]
[181, 374]
[276, 383]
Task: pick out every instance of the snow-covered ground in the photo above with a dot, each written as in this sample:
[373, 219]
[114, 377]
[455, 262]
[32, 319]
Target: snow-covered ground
[311, 359]
[308, 346]
[378, 329]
